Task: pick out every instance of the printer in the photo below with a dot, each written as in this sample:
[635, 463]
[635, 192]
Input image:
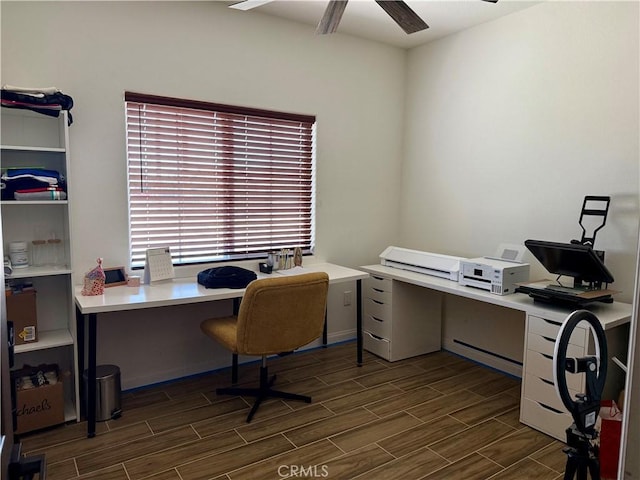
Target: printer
[443, 266]
[495, 275]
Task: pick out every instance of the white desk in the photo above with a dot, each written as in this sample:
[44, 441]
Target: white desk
[540, 407]
[180, 291]
[610, 315]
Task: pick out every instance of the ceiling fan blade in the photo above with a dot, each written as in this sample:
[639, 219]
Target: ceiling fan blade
[331, 18]
[248, 4]
[402, 14]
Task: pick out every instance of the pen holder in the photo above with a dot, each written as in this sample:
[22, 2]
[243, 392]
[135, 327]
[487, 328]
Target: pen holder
[273, 260]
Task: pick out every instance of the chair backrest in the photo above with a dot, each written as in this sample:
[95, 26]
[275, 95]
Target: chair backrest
[282, 313]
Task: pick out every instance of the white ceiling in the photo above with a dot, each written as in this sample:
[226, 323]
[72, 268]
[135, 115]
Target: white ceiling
[364, 18]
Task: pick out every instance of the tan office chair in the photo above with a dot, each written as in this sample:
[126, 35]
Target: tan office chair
[276, 315]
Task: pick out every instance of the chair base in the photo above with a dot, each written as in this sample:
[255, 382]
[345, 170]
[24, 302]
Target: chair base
[261, 393]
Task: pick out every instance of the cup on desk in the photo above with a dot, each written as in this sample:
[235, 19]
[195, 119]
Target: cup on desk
[133, 281]
[273, 260]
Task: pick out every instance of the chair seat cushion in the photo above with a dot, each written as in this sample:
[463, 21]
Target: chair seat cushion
[223, 330]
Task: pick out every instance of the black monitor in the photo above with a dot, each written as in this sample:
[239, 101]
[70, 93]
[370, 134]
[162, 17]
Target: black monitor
[574, 260]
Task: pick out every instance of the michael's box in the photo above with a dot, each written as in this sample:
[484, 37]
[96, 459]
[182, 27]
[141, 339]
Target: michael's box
[38, 405]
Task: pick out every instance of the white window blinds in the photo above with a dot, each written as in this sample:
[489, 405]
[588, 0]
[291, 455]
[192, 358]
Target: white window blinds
[216, 182]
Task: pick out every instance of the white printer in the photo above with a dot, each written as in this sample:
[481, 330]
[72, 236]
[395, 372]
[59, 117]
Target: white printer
[497, 275]
[443, 266]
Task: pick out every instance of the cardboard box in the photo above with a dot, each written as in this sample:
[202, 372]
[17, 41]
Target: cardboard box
[21, 310]
[39, 407]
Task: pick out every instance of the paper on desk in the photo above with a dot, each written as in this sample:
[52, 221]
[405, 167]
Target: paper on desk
[292, 271]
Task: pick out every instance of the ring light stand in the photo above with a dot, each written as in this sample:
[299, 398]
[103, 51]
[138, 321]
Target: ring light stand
[582, 454]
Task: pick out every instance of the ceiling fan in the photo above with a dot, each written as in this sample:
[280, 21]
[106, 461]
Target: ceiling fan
[399, 11]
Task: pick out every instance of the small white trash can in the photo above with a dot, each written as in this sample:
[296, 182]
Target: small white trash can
[108, 391]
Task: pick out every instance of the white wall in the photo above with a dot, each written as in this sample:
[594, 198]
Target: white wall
[511, 123]
[94, 51]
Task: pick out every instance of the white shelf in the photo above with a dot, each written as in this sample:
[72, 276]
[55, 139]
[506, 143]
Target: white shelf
[47, 339]
[24, 148]
[30, 272]
[35, 202]
[29, 140]
[69, 412]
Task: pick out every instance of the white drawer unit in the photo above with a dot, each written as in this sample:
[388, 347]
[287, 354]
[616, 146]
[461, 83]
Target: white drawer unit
[399, 320]
[543, 390]
[540, 406]
[377, 284]
[541, 365]
[376, 308]
[550, 328]
[379, 326]
[545, 418]
[377, 345]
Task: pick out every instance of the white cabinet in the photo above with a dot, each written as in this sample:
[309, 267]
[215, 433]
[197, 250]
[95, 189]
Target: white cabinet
[32, 140]
[540, 407]
[399, 320]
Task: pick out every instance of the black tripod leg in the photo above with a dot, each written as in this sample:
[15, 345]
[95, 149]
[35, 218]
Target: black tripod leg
[594, 468]
[582, 471]
[570, 469]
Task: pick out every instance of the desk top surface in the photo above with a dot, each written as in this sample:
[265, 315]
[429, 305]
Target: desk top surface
[182, 291]
[610, 314]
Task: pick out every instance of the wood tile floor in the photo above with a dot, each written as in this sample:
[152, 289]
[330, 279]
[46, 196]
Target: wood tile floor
[436, 416]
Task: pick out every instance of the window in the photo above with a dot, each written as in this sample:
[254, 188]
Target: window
[217, 182]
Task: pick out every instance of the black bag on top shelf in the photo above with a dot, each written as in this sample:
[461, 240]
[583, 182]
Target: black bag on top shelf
[50, 104]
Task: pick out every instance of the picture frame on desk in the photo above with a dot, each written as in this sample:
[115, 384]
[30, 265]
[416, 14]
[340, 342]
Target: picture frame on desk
[115, 276]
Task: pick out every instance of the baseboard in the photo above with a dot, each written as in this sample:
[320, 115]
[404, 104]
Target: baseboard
[343, 336]
[490, 359]
[199, 369]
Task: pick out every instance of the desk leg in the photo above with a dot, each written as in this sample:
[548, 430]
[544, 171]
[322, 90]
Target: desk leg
[80, 329]
[234, 368]
[325, 335]
[91, 377]
[234, 356]
[359, 321]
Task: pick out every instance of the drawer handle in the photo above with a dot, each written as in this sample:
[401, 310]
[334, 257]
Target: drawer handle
[376, 301]
[552, 322]
[376, 337]
[376, 319]
[550, 357]
[548, 339]
[377, 278]
[554, 410]
[548, 382]
[377, 290]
